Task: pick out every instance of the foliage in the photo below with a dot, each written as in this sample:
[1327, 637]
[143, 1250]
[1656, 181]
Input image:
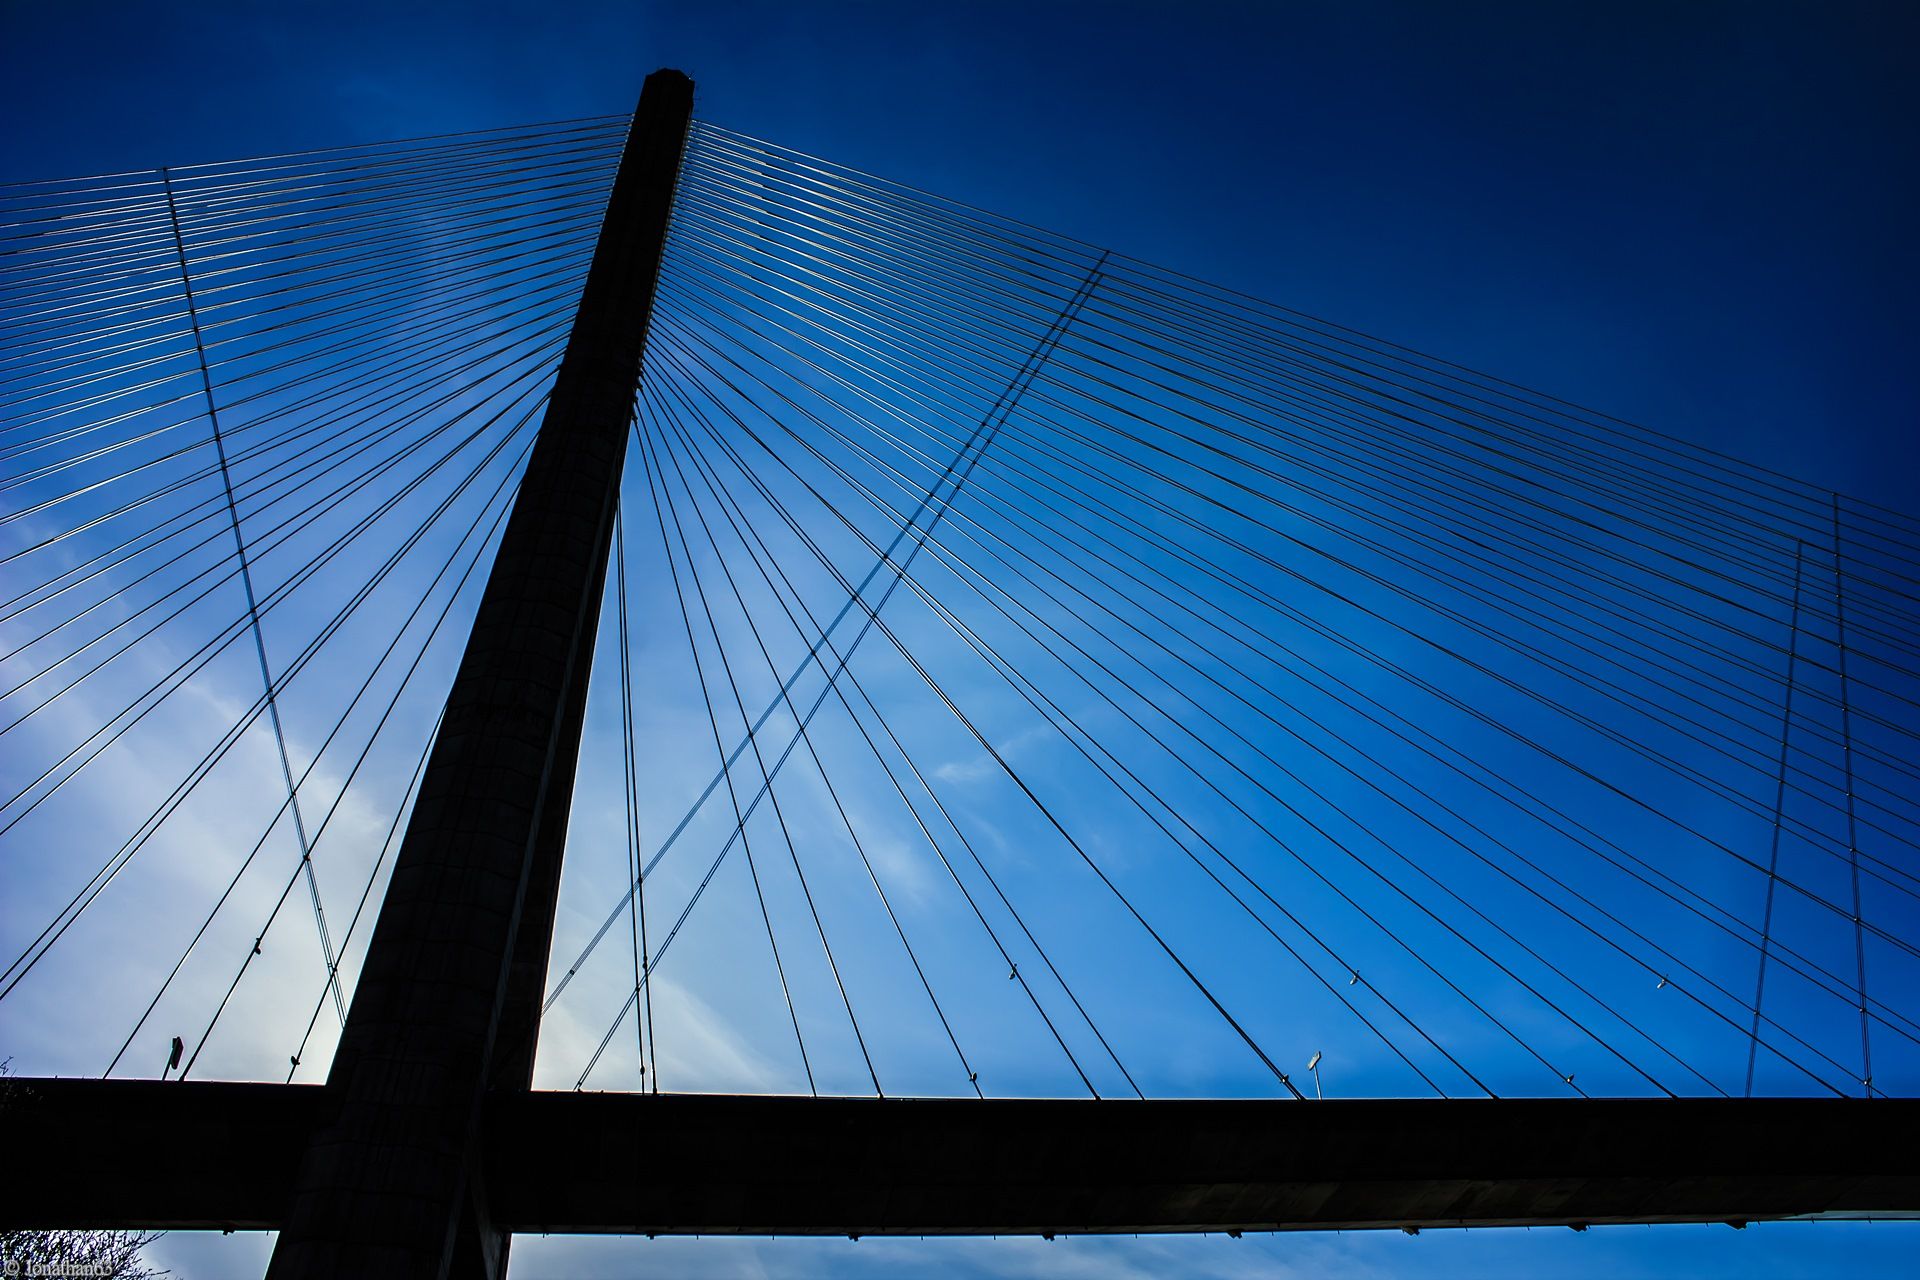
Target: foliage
[76, 1253]
[73, 1253]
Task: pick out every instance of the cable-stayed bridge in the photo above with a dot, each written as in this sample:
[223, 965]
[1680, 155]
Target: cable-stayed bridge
[1013, 704]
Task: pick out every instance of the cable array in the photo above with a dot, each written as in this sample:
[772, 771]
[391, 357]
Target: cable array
[271, 413]
[1024, 670]
[1465, 702]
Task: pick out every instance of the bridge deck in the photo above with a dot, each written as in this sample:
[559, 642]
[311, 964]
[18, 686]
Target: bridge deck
[209, 1155]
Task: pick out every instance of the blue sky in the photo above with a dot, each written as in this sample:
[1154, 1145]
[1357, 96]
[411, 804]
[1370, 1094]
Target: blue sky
[1697, 218]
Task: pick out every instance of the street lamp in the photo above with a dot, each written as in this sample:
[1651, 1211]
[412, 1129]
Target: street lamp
[1313, 1065]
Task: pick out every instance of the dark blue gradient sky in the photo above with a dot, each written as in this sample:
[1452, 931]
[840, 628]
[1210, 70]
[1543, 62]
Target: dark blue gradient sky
[1697, 216]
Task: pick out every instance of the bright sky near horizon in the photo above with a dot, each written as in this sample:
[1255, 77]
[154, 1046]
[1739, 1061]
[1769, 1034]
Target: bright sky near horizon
[1698, 218]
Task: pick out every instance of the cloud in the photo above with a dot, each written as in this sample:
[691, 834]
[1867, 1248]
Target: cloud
[982, 766]
[1006, 1258]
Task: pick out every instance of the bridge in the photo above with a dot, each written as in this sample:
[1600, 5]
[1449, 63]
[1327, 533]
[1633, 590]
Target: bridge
[1057, 676]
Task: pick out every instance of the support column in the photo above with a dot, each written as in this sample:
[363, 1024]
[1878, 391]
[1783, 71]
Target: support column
[448, 1003]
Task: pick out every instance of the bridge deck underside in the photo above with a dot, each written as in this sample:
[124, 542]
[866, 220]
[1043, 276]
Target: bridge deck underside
[88, 1153]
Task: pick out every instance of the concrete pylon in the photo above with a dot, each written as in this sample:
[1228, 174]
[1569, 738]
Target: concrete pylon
[448, 1004]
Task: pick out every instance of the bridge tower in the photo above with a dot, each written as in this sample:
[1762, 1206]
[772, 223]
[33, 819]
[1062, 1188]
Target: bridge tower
[427, 1148]
[447, 1008]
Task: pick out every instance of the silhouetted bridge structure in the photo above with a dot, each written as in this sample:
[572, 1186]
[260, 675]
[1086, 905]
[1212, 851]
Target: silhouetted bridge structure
[427, 1146]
